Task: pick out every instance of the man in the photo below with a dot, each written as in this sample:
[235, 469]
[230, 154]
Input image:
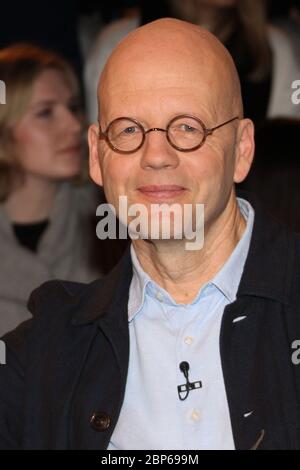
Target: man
[175, 348]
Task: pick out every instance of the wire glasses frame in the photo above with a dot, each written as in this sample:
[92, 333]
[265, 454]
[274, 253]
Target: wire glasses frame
[206, 132]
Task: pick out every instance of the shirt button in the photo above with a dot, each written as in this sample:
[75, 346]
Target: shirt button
[100, 421]
[188, 340]
[195, 416]
[159, 296]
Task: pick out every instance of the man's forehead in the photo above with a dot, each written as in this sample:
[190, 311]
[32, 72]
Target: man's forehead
[151, 106]
[179, 89]
[154, 77]
[160, 69]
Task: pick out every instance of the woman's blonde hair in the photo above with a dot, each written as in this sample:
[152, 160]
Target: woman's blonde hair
[20, 66]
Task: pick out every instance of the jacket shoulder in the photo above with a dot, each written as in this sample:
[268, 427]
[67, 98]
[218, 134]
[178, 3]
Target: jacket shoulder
[57, 296]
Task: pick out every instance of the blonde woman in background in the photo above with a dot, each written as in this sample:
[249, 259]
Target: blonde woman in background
[45, 226]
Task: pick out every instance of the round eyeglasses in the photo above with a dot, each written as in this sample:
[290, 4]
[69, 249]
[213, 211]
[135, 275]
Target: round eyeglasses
[184, 133]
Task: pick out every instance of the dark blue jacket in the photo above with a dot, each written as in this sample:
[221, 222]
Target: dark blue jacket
[64, 381]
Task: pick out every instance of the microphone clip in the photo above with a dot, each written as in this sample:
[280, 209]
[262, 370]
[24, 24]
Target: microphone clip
[185, 388]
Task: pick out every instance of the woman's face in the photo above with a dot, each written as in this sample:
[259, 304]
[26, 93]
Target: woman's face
[48, 137]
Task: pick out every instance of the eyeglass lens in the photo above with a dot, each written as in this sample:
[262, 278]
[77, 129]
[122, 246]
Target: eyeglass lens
[184, 132]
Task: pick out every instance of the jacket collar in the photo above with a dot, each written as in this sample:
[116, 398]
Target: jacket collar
[269, 265]
[105, 298]
[267, 273]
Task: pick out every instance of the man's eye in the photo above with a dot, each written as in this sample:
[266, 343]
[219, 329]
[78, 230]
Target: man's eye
[130, 130]
[187, 128]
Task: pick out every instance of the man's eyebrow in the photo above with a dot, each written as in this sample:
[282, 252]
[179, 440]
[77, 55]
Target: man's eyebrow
[202, 115]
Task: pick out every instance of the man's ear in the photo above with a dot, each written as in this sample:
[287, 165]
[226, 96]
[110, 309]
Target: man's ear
[244, 150]
[94, 164]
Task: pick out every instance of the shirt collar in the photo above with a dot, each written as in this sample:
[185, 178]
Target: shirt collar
[226, 280]
[138, 285]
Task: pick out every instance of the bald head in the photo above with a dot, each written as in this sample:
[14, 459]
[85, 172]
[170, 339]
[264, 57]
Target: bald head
[170, 53]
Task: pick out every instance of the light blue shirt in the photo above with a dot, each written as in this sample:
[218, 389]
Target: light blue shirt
[164, 333]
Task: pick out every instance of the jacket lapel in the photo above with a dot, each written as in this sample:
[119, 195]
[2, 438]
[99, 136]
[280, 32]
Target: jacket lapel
[247, 338]
[102, 379]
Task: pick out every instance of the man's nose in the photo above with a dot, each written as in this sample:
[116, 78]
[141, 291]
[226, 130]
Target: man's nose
[157, 153]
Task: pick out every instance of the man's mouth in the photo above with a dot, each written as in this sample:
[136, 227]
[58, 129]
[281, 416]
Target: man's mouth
[164, 191]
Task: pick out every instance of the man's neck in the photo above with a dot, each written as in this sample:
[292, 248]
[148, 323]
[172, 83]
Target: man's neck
[181, 272]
